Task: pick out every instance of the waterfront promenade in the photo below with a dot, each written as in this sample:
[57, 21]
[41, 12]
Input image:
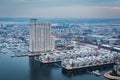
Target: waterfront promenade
[107, 75]
[32, 54]
[26, 54]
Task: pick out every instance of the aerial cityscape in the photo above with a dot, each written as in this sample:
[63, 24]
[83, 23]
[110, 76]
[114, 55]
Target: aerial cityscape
[71, 47]
[60, 40]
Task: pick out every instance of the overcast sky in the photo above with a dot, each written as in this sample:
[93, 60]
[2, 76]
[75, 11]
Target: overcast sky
[60, 8]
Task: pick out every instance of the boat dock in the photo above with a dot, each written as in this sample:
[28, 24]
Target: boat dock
[26, 54]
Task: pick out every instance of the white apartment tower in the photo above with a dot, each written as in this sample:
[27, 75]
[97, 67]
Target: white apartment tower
[40, 37]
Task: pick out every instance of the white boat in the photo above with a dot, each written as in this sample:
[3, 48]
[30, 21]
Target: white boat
[96, 72]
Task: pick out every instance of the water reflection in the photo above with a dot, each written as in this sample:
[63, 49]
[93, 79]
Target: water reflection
[69, 74]
[81, 72]
[40, 71]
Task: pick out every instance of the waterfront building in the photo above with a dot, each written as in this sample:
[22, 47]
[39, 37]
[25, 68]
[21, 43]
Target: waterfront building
[40, 37]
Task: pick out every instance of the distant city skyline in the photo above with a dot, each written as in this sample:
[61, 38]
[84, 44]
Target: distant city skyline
[60, 8]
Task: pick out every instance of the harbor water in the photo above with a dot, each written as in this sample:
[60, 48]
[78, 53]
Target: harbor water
[26, 68]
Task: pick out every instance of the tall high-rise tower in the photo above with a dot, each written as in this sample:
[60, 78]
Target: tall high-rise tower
[40, 36]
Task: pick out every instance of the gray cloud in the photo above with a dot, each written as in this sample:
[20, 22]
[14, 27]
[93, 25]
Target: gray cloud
[62, 2]
[60, 8]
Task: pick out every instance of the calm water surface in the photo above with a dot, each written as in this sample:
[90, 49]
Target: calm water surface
[26, 68]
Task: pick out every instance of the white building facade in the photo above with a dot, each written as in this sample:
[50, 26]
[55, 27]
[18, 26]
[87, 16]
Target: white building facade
[40, 37]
